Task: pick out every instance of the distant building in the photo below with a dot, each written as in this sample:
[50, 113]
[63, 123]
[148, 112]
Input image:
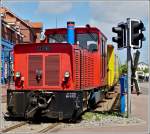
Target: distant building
[141, 74]
[142, 66]
[15, 30]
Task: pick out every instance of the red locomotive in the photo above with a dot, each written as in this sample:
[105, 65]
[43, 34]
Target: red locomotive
[61, 76]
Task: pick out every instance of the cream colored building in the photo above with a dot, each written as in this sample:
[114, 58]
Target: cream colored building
[142, 66]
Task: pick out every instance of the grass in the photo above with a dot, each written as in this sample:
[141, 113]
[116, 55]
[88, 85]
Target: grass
[99, 115]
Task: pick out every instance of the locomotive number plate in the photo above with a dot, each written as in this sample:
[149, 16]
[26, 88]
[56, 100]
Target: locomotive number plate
[43, 48]
[71, 95]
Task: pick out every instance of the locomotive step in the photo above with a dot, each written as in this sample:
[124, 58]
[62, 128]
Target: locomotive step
[107, 104]
[110, 95]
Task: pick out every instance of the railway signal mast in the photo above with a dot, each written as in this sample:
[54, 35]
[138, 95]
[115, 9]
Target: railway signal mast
[129, 35]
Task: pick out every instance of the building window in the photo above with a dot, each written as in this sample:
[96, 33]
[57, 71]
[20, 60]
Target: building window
[13, 37]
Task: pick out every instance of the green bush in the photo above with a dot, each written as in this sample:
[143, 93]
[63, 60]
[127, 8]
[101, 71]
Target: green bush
[146, 70]
[123, 69]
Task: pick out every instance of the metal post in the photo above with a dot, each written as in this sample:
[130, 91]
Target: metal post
[129, 70]
[129, 82]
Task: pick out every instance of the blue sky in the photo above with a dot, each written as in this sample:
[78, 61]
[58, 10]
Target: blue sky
[102, 14]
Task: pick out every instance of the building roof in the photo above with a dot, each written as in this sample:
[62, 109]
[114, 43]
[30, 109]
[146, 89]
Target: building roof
[37, 24]
[142, 63]
[26, 22]
[6, 10]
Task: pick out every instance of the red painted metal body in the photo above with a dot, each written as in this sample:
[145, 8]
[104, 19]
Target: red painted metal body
[87, 69]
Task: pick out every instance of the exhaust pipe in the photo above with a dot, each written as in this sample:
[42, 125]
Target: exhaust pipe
[70, 32]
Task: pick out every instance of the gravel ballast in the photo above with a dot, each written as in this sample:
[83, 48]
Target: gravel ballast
[91, 120]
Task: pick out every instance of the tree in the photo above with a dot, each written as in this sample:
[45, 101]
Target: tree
[123, 69]
[146, 70]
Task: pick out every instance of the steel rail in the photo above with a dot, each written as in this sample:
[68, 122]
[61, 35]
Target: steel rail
[13, 127]
[48, 128]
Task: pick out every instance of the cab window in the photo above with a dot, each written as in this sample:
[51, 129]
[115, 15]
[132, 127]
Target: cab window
[87, 40]
[57, 38]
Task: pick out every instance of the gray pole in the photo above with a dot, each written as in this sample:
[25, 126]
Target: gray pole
[129, 82]
[129, 69]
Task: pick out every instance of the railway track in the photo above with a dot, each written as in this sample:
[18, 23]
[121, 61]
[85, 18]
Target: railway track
[13, 127]
[49, 128]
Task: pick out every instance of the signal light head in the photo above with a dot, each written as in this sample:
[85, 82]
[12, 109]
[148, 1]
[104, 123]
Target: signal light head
[116, 39]
[121, 35]
[141, 26]
[136, 36]
[116, 29]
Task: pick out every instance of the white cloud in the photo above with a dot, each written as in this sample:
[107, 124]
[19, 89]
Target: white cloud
[109, 14]
[54, 7]
[119, 9]
[106, 15]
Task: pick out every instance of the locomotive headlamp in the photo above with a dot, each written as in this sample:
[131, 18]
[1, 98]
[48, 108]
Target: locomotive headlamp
[18, 74]
[67, 75]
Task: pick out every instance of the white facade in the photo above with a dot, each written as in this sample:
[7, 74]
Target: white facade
[142, 66]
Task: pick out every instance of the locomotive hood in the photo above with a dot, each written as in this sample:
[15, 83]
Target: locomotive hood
[43, 66]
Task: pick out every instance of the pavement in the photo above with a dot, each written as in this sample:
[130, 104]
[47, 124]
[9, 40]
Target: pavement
[144, 86]
[139, 109]
[4, 88]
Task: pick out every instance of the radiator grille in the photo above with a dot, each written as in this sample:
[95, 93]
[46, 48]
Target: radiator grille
[34, 63]
[82, 70]
[52, 70]
[87, 70]
[77, 71]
